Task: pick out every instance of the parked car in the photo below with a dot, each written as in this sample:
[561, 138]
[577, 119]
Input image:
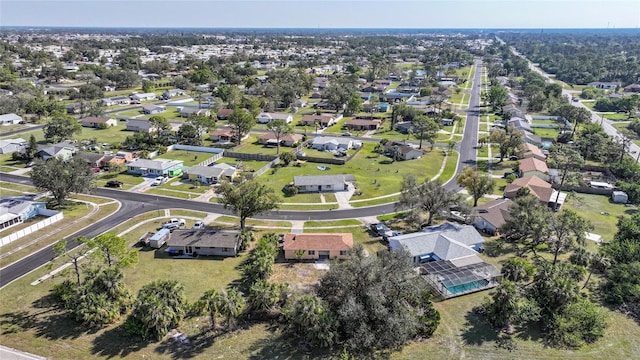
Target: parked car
[175, 221]
[347, 134]
[159, 181]
[198, 225]
[113, 183]
[171, 227]
[381, 229]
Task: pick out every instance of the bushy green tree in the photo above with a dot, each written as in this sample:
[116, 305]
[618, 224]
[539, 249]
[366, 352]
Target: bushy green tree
[159, 307]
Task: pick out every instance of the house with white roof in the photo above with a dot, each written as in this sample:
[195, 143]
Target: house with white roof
[319, 183]
[328, 143]
[12, 145]
[265, 118]
[10, 119]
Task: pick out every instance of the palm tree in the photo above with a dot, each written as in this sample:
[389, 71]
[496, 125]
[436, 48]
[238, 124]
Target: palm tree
[233, 304]
[212, 301]
[597, 262]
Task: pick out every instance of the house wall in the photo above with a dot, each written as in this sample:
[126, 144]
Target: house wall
[206, 251]
[333, 254]
[315, 188]
[482, 225]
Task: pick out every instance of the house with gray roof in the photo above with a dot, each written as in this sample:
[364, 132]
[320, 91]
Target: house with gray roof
[12, 145]
[16, 210]
[151, 109]
[212, 174]
[447, 241]
[10, 119]
[206, 241]
[448, 258]
[63, 150]
[155, 167]
[318, 183]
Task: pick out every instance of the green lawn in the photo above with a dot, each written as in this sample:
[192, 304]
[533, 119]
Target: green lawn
[112, 135]
[598, 209]
[253, 222]
[246, 164]
[328, 223]
[617, 117]
[546, 133]
[251, 146]
[190, 158]
[375, 174]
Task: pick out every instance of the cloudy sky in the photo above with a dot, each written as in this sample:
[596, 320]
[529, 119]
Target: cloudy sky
[324, 13]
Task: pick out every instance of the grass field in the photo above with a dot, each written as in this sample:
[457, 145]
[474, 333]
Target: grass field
[600, 211]
[375, 174]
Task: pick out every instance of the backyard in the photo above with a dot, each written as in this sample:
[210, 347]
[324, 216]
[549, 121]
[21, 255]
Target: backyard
[376, 174]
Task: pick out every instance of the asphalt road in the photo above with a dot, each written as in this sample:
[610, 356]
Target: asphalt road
[633, 150]
[136, 203]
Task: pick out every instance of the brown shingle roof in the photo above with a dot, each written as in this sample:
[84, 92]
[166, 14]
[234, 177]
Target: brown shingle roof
[495, 212]
[538, 187]
[318, 241]
[533, 164]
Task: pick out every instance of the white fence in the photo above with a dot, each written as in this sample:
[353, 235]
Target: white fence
[33, 228]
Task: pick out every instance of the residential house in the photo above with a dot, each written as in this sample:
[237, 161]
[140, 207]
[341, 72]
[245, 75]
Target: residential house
[109, 88]
[13, 145]
[192, 111]
[94, 160]
[224, 113]
[385, 82]
[532, 139]
[10, 119]
[203, 242]
[151, 109]
[401, 151]
[63, 151]
[492, 215]
[604, 85]
[404, 127]
[155, 167]
[317, 246]
[222, 136]
[141, 125]
[447, 241]
[532, 151]
[168, 94]
[319, 183]
[448, 257]
[98, 122]
[74, 108]
[324, 120]
[265, 118]
[538, 188]
[632, 88]
[363, 125]
[520, 124]
[144, 96]
[290, 140]
[16, 210]
[116, 100]
[329, 143]
[514, 111]
[532, 166]
[212, 174]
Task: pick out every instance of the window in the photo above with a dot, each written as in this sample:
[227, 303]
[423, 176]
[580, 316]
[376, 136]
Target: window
[312, 252]
[197, 247]
[343, 252]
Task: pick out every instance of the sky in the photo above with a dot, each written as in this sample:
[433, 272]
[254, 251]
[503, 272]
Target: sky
[424, 14]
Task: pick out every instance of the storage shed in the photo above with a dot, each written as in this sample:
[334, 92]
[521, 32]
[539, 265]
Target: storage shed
[619, 197]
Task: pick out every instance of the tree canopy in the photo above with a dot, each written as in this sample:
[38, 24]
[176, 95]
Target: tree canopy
[72, 176]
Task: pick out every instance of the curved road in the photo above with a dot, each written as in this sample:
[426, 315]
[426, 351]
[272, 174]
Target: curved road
[131, 203]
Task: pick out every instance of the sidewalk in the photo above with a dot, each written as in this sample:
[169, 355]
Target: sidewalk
[7, 353]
